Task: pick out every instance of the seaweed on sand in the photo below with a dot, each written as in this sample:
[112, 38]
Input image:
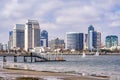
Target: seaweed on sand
[28, 78]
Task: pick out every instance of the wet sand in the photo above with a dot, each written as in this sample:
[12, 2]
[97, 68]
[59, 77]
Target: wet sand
[84, 78]
[61, 76]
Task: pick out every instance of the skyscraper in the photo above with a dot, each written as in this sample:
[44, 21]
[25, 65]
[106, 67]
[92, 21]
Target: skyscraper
[86, 41]
[111, 40]
[1, 46]
[94, 39]
[18, 36]
[44, 39]
[90, 37]
[75, 41]
[98, 40]
[10, 42]
[32, 34]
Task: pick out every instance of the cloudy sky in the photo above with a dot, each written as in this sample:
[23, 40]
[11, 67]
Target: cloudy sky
[61, 16]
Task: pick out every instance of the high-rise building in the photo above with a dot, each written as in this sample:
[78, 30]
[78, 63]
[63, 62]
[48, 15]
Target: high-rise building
[57, 44]
[98, 40]
[90, 37]
[18, 36]
[44, 38]
[86, 41]
[74, 40]
[32, 34]
[1, 46]
[94, 39]
[10, 42]
[111, 41]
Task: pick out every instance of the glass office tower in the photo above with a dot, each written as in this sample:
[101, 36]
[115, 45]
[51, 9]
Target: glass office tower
[111, 40]
[75, 41]
[44, 38]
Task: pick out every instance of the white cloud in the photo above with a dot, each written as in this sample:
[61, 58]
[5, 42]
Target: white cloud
[14, 9]
[10, 8]
[77, 15]
[115, 24]
[46, 8]
[61, 15]
[49, 26]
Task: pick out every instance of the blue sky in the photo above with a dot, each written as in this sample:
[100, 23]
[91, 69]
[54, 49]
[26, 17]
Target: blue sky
[61, 16]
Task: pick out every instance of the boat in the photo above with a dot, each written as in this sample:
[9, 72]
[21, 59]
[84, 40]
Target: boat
[59, 59]
[97, 53]
[83, 55]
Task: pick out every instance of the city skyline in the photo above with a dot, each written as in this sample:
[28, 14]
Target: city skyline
[61, 16]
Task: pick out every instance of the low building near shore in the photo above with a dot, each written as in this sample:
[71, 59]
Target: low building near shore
[115, 48]
[40, 50]
[56, 44]
[37, 50]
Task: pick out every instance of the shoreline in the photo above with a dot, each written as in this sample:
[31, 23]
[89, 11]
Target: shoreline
[46, 74]
[86, 54]
[66, 54]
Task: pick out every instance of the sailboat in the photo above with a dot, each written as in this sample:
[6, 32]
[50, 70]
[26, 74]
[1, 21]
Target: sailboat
[97, 53]
[83, 55]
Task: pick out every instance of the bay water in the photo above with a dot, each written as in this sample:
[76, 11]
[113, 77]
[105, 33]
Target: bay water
[108, 65]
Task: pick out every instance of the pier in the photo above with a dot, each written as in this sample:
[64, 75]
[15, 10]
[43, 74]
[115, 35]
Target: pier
[33, 57]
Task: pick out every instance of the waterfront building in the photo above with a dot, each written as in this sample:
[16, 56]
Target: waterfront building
[57, 44]
[111, 40]
[98, 40]
[18, 36]
[74, 40]
[44, 39]
[32, 34]
[10, 42]
[90, 37]
[85, 41]
[94, 39]
[1, 46]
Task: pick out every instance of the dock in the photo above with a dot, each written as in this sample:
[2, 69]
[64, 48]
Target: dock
[32, 56]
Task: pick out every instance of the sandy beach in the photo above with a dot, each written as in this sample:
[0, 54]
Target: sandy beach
[47, 75]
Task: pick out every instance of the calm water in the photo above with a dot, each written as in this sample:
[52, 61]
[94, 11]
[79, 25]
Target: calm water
[103, 65]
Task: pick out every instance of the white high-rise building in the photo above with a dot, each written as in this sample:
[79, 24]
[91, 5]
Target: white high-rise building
[32, 34]
[85, 41]
[18, 36]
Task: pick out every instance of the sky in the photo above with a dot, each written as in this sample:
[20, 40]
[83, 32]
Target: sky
[61, 16]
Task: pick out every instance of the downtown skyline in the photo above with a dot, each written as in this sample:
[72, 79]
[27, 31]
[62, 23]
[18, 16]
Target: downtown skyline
[61, 16]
